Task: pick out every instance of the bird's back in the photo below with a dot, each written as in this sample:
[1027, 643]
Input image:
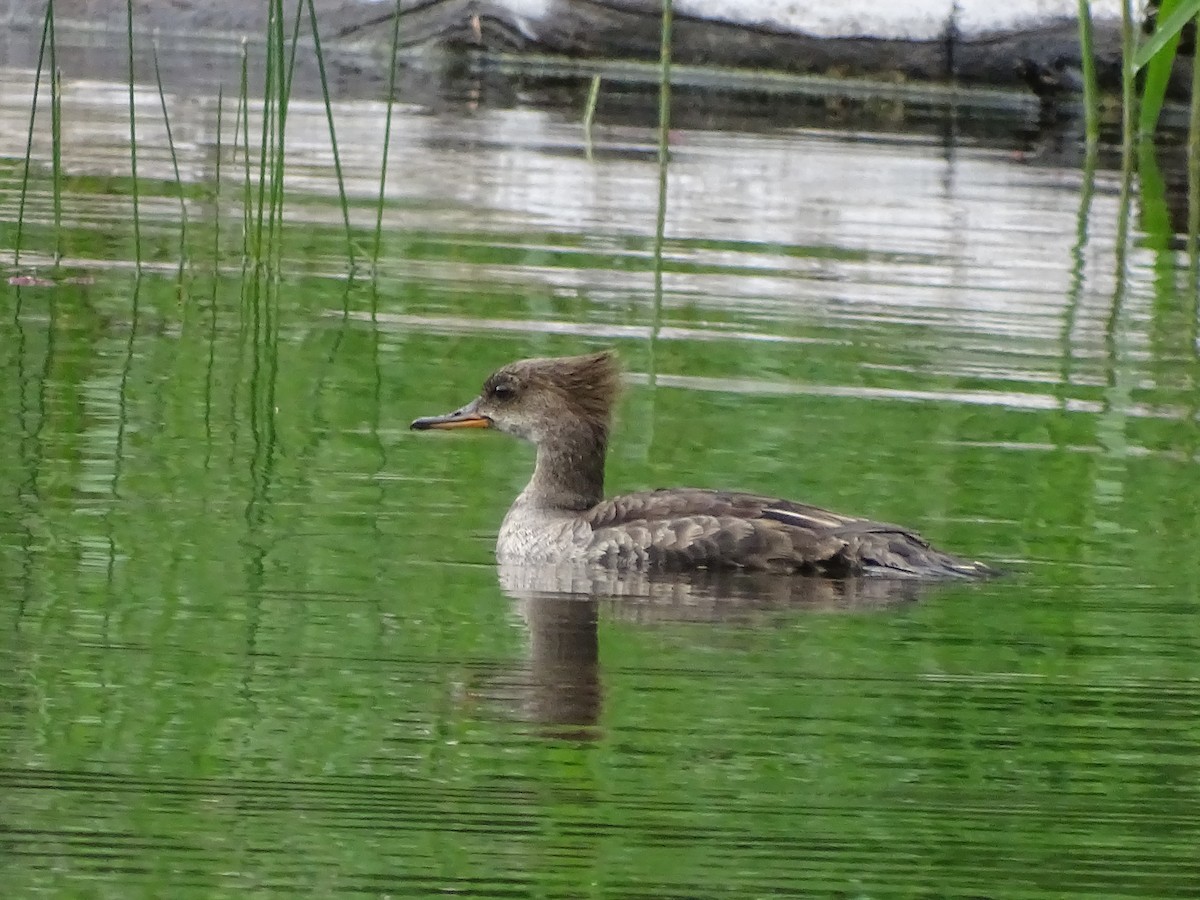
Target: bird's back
[691, 528]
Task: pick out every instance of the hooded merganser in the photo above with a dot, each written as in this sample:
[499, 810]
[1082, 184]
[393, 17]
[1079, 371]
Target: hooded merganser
[564, 405]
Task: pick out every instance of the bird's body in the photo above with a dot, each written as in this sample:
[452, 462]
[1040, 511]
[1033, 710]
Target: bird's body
[563, 406]
[690, 528]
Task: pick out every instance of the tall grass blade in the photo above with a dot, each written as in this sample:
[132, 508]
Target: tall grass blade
[217, 187]
[183, 219]
[1154, 87]
[137, 223]
[284, 86]
[1157, 68]
[56, 167]
[664, 155]
[1193, 179]
[1091, 89]
[278, 91]
[1173, 16]
[244, 126]
[1155, 231]
[57, 143]
[47, 24]
[1128, 96]
[387, 138]
[267, 137]
[664, 85]
[286, 93]
[337, 159]
[589, 114]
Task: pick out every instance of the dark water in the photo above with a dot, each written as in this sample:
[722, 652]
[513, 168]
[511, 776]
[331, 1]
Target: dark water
[253, 640]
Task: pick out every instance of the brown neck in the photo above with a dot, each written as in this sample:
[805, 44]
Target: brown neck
[570, 469]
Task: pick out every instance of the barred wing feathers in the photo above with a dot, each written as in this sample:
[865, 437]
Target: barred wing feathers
[689, 528]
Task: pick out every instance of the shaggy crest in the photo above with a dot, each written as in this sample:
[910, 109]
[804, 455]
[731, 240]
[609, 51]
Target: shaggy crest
[588, 384]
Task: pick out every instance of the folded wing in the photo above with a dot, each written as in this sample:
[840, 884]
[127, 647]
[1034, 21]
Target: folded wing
[689, 528]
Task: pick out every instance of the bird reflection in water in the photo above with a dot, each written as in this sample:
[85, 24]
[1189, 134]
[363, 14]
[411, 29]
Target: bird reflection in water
[559, 687]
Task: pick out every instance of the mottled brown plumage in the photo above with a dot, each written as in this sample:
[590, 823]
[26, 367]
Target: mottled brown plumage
[564, 406]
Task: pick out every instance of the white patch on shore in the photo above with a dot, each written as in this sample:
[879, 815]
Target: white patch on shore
[916, 20]
[911, 20]
[527, 13]
[534, 9]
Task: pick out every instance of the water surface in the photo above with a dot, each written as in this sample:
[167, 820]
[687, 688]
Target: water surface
[254, 638]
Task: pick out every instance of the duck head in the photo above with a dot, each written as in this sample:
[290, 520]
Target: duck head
[540, 400]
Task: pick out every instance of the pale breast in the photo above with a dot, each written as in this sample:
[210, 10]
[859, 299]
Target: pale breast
[539, 536]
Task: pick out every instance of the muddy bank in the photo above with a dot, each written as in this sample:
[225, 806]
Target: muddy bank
[1028, 42]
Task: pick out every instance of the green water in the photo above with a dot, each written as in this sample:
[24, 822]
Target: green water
[254, 641]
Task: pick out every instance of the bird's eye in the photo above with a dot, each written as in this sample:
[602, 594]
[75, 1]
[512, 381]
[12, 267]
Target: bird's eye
[504, 392]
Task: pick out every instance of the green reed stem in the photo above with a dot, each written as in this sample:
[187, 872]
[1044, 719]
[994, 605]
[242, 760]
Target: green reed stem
[1091, 89]
[137, 223]
[664, 131]
[664, 86]
[285, 94]
[387, 138]
[217, 186]
[589, 114]
[1193, 172]
[291, 66]
[337, 159]
[47, 25]
[183, 220]
[1154, 58]
[1128, 74]
[1171, 18]
[278, 90]
[56, 167]
[284, 86]
[244, 123]
[267, 137]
